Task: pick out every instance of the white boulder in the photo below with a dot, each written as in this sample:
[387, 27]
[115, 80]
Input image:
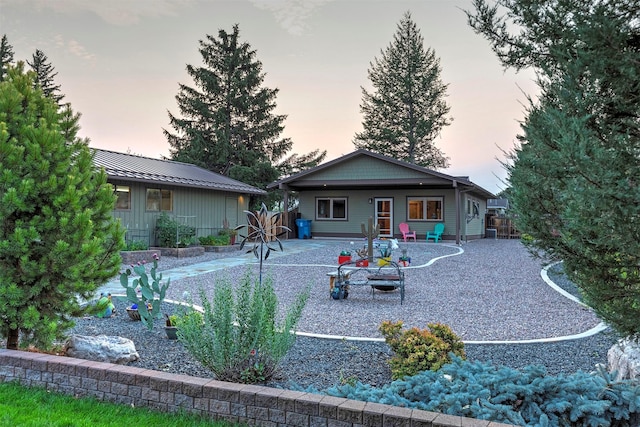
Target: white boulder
[102, 348]
[624, 358]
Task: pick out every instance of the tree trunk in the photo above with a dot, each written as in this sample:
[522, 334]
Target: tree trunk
[12, 339]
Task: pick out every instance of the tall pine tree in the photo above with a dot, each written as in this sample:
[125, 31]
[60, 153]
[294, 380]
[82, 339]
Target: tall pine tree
[6, 56]
[406, 110]
[574, 176]
[227, 122]
[45, 76]
[58, 238]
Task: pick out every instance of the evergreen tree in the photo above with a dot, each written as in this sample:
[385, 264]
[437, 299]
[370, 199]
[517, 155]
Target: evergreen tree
[228, 125]
[45, 75]
[407, 109]
[6, 56]
[574, 175]
[58, 239]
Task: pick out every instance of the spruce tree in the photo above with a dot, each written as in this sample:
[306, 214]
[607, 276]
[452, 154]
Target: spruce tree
[45, 76]
[406, 110]
[58, 239]
[574, 176]
[227, 122]
[6, 56]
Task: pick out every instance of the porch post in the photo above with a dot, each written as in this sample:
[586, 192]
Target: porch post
[455, 185]
[285, 207]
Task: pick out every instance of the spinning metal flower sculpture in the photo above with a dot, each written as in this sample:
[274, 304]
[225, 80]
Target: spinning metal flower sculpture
[263, 230]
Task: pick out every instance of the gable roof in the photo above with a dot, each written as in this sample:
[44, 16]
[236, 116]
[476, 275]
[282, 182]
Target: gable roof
[403, 174]
[129, 167]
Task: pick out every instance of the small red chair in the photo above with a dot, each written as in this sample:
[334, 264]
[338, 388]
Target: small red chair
[404, 229]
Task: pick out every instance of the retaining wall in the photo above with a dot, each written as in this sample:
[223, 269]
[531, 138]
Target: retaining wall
[237, 403]
[133, 257]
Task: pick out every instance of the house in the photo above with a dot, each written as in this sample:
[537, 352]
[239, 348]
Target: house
[340, 195]
[146, 188]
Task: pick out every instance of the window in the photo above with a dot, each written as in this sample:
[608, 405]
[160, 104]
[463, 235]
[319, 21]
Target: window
[159, 200]
[424, 208]
[123, 194]
[331, 208]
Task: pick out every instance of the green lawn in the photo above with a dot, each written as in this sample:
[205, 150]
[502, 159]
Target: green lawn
[28, 406]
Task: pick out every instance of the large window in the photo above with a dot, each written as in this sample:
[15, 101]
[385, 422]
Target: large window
[424, 208]
[159, 200]
[331, 208]
[123, 194]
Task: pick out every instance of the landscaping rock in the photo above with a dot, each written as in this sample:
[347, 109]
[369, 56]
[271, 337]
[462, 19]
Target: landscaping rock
[624, 358]
[102, 348]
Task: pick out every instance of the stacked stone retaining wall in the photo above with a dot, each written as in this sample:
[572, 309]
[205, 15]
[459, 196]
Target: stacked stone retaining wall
[237, 403]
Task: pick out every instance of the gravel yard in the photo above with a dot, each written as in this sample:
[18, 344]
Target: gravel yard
[492, 292]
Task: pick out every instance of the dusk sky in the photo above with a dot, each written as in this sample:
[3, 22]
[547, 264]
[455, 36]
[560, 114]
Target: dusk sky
[119, 63]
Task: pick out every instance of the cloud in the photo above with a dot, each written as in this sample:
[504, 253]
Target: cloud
[116, 12]
[75, 48]
[291, 14]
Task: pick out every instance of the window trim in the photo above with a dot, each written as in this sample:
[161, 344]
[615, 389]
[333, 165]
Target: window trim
[425, 200]
[332, 200]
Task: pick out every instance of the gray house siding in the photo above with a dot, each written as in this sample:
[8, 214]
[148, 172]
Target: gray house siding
[200, 198]
[359, 211]
[203, 209]
[363, 175]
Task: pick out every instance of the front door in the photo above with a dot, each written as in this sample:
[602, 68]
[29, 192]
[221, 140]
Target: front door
[384, 216]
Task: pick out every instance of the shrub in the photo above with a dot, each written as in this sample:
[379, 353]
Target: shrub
[220, 240]
[136, 245]
[526, 397]
[238, 337]
[171, 234]
[420, 350]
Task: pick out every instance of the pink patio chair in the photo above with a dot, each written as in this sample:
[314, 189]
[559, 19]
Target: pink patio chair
[404, 229]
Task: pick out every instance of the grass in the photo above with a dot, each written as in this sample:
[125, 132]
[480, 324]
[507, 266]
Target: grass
[30, 406]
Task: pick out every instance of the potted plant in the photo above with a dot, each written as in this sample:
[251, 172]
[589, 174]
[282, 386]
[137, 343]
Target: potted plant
[133, 312]
[171, 326]
[345, 256]
[231, 232]
[363, 260]
[404, 260]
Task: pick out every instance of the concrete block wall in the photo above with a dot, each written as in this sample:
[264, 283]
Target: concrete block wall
[237, 403]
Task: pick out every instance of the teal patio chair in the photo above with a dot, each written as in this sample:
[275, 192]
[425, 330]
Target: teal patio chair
[436, 234]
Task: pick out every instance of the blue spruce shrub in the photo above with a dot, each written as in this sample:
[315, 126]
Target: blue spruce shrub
[526, 397]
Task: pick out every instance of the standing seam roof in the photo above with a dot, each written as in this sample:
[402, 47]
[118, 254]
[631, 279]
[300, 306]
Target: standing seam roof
[137, 168]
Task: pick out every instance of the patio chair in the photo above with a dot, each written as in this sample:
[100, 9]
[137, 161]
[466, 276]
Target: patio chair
[404, 229]
[436, 234]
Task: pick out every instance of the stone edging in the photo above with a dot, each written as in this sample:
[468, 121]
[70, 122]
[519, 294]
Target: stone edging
[236, 403]
[134, 257]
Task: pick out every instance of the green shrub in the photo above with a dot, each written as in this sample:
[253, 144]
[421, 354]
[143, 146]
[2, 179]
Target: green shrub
[136, 245]
[168, 230]
[220, 240]
[227, 232]
[238, 337]
[420, 350]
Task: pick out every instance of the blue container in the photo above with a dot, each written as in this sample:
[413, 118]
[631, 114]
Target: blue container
[304, 228]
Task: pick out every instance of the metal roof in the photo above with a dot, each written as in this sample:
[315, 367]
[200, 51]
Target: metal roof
[129, 167]
[428, 177]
